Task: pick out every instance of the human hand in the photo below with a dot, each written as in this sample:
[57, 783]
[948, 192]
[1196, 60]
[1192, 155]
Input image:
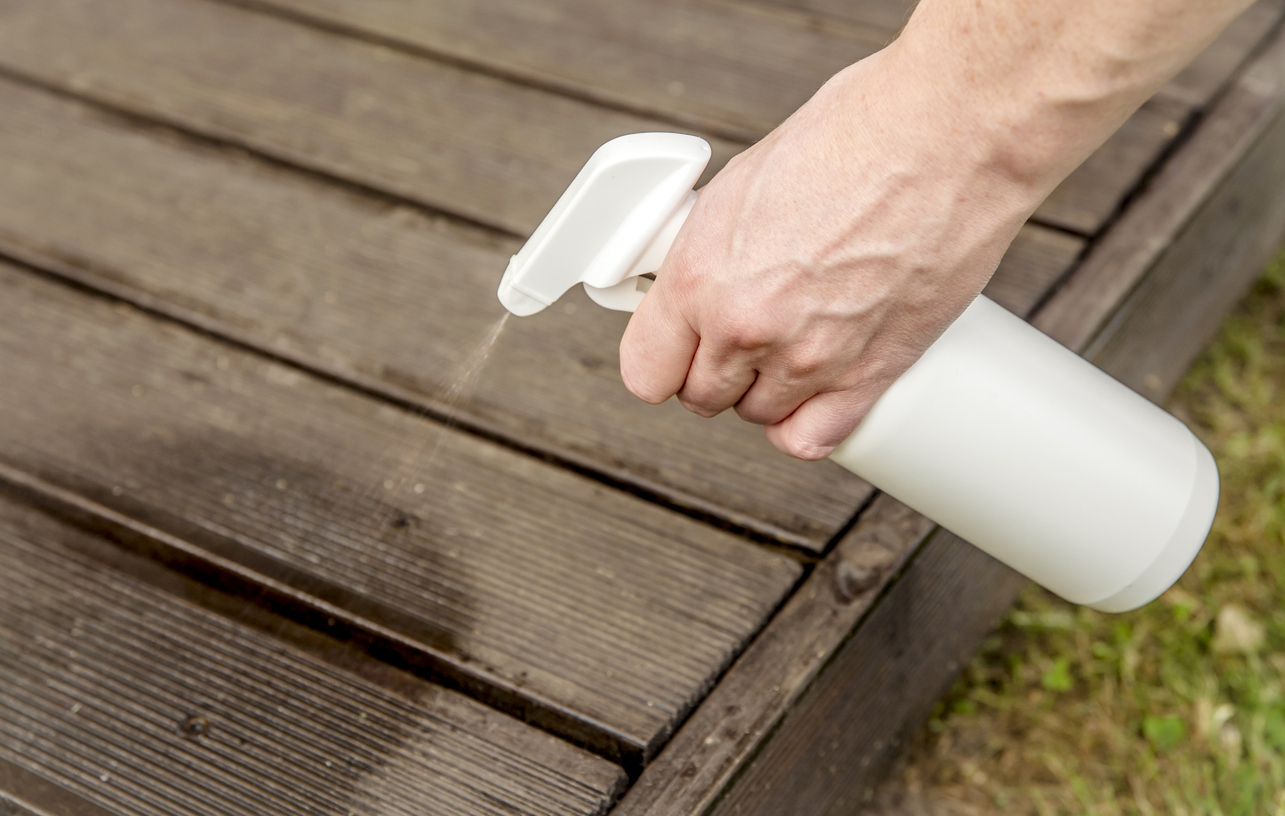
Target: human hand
[823, 261]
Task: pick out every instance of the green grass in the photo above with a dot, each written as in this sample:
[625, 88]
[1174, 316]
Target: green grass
[1176, 708]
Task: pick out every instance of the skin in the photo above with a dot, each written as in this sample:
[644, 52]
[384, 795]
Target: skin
[823, 261]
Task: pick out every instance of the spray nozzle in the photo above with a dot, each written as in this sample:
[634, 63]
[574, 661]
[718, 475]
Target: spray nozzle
[614, 223]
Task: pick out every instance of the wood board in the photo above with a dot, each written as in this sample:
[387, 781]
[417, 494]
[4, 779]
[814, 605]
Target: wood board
[462, 143]
[438, 134]
[739, 69]
[589, 612]
[118, 697]
[393, 300]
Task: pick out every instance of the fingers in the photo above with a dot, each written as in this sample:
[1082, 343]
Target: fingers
[817, 427]
[657, 348]
[716, 381]
[769, 400]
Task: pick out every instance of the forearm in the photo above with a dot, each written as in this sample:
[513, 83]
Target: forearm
[1040, 84]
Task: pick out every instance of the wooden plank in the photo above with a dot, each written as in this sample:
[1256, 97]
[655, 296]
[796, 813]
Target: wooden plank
[715, 746]
[816, 739]
[585, 610]
[637, 54]
[1194, 86]
[1177, 309]
[439, 135]
[467, 144]
[391, 300]
[118, 697]
[882, 681]
[727, 68]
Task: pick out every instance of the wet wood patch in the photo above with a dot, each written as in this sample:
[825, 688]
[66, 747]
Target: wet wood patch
[116, 697]
[598, 615]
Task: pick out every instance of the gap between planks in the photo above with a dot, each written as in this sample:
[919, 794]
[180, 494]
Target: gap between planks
[342, 285]
[157, 694]
[522, 584]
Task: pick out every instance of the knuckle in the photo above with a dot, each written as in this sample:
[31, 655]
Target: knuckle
[702, 407]
[743, 332]
[758, 415]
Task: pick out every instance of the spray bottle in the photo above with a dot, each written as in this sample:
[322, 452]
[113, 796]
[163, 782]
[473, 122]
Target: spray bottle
[998, 433]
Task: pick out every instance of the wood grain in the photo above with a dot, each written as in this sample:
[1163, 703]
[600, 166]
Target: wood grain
[118, 698]
[455, 140]
[881, 682]
[1178, 308]
[714, 747]
[590, 612]
[816, 740]
[393, 301]
[741, 70]
[728, 68]
[463, 143]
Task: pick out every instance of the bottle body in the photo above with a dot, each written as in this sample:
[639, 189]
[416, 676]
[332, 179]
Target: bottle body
[1027, 451]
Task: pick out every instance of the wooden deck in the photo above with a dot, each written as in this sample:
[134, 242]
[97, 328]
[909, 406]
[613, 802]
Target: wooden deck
[258, 555]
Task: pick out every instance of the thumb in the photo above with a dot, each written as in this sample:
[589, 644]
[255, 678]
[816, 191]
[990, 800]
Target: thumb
[658, 347]
[817, 426]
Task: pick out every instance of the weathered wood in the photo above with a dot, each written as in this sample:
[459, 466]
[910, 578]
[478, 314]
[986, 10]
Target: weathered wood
[467, 144]
[117, 697]
[741, 69]
[713, 748]
[869, 683]
[728, 68]
[594, 614]
[1177, 309]
[885, 678]
[392, 300]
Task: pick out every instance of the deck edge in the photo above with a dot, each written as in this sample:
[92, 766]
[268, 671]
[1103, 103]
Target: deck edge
[818, 752]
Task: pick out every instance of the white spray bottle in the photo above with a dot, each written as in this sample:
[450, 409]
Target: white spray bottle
[997, 433]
